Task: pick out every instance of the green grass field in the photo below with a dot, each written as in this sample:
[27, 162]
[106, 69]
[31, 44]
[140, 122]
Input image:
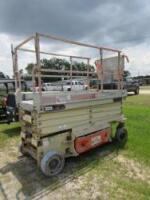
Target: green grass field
[137, 111]
[9, 132]
[116, 176]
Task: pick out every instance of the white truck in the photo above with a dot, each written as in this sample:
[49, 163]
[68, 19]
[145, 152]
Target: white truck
[67, 85]
[51, 87]
[74, 85]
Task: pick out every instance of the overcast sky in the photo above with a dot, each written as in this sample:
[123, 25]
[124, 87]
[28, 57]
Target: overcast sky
[114, 23]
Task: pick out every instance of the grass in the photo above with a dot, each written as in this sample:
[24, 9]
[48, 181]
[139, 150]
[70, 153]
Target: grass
[9, 132]
[137, 111]
[134, 188]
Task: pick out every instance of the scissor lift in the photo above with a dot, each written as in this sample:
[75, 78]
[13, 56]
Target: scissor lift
[60, 124]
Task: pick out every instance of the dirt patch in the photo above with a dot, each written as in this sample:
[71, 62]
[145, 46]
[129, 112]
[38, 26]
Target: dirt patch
[134, 169]
[145, 91]
[88, 177]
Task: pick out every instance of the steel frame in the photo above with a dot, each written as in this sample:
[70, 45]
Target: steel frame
[37, 69]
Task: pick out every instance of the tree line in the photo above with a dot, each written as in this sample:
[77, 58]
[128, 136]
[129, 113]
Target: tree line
[59, 64]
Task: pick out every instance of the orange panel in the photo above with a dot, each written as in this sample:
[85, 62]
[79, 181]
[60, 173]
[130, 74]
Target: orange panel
[85, 143]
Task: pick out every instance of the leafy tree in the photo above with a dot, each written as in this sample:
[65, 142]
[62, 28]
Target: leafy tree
[57, 63]
[60, 64]
[126, 74]
[29, 68]
[2, 75]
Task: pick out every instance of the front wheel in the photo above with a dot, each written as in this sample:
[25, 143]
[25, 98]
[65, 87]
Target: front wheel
[52, 163]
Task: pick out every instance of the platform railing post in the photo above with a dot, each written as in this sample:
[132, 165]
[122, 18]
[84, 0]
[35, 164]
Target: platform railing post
[14, 65]
[88, 69]
[38, 67]
[16, 71]
[101, 65]
[33, 78]
[71, 71]
[119, 70]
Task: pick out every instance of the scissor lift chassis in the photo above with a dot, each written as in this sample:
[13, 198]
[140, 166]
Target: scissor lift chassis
[68, 128]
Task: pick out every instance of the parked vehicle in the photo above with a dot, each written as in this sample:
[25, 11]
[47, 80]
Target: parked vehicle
[8, 109]
[131, 85]
[67, 85]
[52, 87]
[74, 85]
[95, 83]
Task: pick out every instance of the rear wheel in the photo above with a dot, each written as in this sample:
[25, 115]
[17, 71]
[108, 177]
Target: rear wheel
[52, 163]
[121, 135]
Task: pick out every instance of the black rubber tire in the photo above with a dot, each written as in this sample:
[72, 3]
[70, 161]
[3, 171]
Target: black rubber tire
[52, 163]
[121, 135]
[136, 92]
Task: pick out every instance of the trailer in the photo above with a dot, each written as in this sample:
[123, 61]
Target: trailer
[60, 124]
